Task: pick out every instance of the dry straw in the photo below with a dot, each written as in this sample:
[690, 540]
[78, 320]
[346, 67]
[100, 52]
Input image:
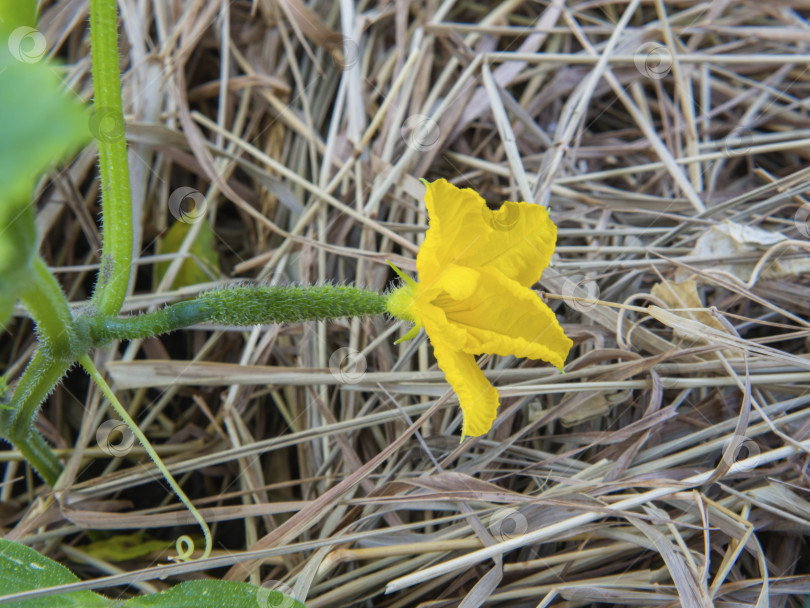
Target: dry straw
[667, 467]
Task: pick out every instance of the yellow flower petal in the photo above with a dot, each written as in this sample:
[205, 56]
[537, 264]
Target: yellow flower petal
[435, 320]
[457, 228]
[520, 244]
[477, 397]
[517, 239]
[459, 282]
[502, 317]
[475, 269]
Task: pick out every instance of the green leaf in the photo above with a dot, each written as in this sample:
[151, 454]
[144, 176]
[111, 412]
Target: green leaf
[202, 267]
[23, 569]
[215, 594]
[18, 239]
[39, 126]
[15, 13]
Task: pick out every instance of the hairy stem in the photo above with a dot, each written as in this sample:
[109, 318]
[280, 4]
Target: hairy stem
[59, 346]
[242, 306]
[40, 377]
[108, 128]
[39, 455]
[17, 418]
[48, 307]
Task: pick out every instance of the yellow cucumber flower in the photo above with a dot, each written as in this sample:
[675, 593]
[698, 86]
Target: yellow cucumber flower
[476, 267]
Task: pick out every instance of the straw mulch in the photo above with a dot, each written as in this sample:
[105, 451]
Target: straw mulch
[666, 467]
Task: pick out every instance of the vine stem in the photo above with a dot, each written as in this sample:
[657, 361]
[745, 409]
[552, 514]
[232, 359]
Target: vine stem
[43, 299]
[87, 364]
[39, 455]
[45, 302]
[242, 306]
[116, 252]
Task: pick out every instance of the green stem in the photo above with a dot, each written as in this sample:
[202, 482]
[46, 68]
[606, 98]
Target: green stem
[48, 307]
[40, 377]
[87, 363]
[116, 253]
[60, 342]
[59, 345]
[17, 419]
[39, 455]
[183, 314]
[242, 306]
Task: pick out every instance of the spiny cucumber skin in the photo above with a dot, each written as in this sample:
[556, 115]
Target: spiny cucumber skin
[242, 306]
[285, 304]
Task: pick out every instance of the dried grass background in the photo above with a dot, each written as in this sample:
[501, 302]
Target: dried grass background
[667, 467]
